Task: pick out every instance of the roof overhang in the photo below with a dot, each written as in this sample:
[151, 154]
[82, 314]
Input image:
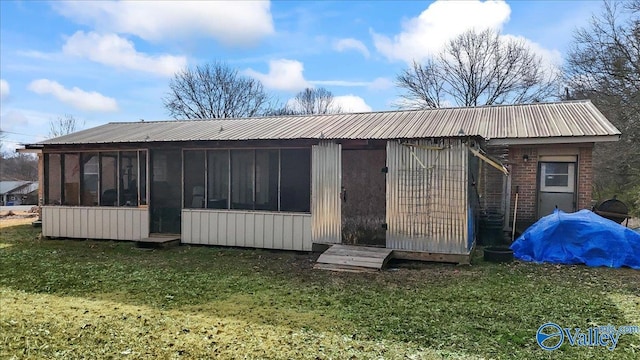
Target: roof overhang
[553, 140]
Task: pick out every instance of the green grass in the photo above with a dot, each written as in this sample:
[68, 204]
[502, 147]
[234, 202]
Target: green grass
[101, 299]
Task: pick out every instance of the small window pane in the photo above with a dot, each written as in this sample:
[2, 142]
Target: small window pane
[218, 179]
[194, 194]
[242, 179]
[109, 179]
[129, 178]
[71, 189]
[267, 180]
[89, 196]
[295, 181]
[143, 177]
[556, 180]
[53, 190]
[557, 168]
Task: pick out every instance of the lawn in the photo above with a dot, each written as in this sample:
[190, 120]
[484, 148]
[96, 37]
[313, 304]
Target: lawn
[103, 299]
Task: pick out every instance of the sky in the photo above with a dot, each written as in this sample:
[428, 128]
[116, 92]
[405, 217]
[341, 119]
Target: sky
[111, 61]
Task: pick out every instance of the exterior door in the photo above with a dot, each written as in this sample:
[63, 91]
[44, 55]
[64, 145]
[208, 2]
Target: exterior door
[166, 191]
[326, 187]
[557, 187]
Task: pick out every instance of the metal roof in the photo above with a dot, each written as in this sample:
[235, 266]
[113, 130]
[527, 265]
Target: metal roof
[544, 122]
[23, 187]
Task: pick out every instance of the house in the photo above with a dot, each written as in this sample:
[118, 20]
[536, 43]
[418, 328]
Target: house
[411, 181]
[18, 193]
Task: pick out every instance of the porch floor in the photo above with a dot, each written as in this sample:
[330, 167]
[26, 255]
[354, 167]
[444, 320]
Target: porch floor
[159, 241]
[353, 258]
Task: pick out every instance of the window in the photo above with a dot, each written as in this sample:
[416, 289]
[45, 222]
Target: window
[295, 186]
[242, 179]
[266, 172]
[71, 190]
[218, 179]
[90, 175]
[557, 176]
[128, 178]
[194, 177]
[109, 179]
[53, 189]
[261, 179]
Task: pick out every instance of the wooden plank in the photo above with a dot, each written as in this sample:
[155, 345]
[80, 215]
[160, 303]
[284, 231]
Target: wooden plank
[346, 252]
[351, 261]
[362, 248]
[333, 267]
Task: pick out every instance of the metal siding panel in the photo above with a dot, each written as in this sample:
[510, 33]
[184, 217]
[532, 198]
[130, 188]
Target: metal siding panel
[222, 229]
[288, 237]
[121, 223]
[128, 224]
[185, 227]
[84, 223]
[144, 223]
[137, 224]
[204, 227]
[232, 236]
[249, 226]
[268, 231]
[278, 232]
[427, 197]
[298, 235]
[326, 174]
[259, 230]
[307, 243]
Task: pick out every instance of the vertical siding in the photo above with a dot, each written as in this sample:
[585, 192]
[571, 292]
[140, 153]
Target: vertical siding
[326, 184]
[95, 222]
[267, 230]
[427, 197]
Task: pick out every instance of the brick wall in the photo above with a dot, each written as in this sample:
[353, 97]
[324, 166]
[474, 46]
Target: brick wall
[524, 175]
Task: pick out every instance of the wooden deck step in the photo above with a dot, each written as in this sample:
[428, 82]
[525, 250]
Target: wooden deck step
[159, 241]
[353, 258]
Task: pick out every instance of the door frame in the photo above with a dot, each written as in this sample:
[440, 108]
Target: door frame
[573, 159]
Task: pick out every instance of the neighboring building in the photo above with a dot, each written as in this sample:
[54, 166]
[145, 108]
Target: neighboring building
[18, 193]
[412, 181]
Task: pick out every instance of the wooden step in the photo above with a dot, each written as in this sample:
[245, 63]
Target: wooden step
[353, 258]
[158, 241]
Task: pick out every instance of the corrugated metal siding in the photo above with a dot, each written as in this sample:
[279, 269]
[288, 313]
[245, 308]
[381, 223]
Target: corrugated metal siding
[427, 197]
[562, 119]
[326, 184]
[117, 223]
[265, 230]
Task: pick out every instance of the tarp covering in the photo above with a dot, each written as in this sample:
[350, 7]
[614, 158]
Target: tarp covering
[582, 237]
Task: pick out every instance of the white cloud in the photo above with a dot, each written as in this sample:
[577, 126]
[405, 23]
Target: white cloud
[113, 50]
[440, 22]
[4, 88]
[351, 103]
[550, 58]
[78, 98]
[381, 83]
[351, 44]
[283, 74]
[230, 22]
[339, 83]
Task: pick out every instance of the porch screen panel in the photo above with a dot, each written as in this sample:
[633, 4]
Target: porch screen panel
[218, 179]
[295, 180]
[266, 187]
[242, 179]
[90, 177]
[71, 189]
[109, 179]
[143, 177]
[128, 178]
[53, 171]
[194, 174]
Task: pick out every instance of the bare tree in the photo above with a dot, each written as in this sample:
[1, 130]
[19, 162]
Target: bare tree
[314, 101]
[603, 65]
[214, 90]
[64, 125]
[478, 68]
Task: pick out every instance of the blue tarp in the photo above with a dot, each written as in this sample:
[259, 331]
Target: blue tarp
[582, 237]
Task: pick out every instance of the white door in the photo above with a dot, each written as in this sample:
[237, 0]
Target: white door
[557, 187]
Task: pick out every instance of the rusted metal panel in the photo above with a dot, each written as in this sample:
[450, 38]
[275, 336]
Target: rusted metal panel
[326, 184]
[567, 119]
[113, 223]
[255, 229]
[427, 196]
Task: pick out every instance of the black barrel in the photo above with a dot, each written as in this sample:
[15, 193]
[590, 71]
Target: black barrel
[491, 228]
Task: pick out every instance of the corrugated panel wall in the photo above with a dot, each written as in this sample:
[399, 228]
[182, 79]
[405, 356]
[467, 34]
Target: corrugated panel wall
[266, 230]
[326, 184]
[117, 223]
[427, 200]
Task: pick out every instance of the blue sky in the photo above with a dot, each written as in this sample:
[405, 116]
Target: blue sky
[106, 61]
